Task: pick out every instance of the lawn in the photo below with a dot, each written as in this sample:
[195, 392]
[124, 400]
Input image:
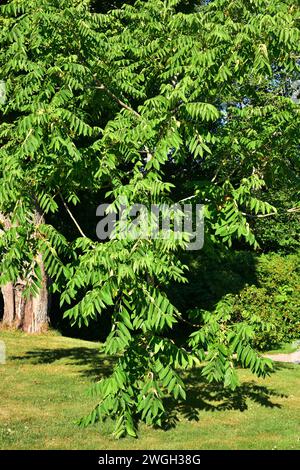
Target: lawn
[43, 392]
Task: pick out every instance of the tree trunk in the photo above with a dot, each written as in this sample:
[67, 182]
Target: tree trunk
[35, 314]
[29, 314]
[8, 304]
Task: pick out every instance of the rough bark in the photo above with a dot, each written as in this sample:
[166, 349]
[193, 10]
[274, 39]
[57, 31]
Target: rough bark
[8, 304]
[35, 314]
[30, 314]
[8, 292]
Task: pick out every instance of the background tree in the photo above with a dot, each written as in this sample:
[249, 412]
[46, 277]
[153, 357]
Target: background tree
[45, 142]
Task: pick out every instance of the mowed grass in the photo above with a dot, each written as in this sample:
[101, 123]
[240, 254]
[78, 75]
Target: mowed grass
[43, 392]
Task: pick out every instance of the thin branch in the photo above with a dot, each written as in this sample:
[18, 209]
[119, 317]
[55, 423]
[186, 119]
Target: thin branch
[188, 198]
[72, 216]
[261, 216]
[115, 98]
[213, 180]
[294, 209]
[125, 106]
[194, 325]
[216, 175]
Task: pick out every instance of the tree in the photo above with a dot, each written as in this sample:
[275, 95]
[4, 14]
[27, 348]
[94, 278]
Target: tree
[132, 100]
[38, 155]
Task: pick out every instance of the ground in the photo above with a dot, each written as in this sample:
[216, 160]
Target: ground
[43, 392]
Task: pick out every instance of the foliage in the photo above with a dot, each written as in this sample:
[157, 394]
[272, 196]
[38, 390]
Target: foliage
[266, 297]
[260, 289]
[281, 232]
[274, 299]
[128, 100]
[226, 340]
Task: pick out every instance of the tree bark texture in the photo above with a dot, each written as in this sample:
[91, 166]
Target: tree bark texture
[28, 314]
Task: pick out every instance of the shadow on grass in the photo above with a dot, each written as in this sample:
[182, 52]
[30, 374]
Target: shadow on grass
[213, 397]
[95, 364]
[201, 395]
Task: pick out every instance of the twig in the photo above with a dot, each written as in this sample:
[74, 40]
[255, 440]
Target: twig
[188, 322]
[216, 175]
[294, 209]
[261, 216]
[115, 98]
[188, 198]
[72, 216]
[125, 106]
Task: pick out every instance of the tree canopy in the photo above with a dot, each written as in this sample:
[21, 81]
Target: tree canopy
[155, 102]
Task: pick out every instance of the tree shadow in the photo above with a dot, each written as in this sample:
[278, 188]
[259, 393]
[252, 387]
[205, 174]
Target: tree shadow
[95, 364]
[213, 397]
[201, 395]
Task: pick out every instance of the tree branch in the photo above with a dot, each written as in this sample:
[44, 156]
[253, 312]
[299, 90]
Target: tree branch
[101, 86]
[72, 216]
[261, 216]
[115, 98]
[294, 209]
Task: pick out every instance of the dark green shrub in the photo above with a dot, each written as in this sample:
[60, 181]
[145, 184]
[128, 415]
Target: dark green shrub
[275, 299]
[280, 233]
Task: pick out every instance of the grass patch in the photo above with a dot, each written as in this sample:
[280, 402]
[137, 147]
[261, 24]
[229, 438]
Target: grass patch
[286, 348]
[43, 392]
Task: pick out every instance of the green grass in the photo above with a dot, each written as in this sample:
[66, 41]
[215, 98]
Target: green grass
[286, 348]
[43, 391]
